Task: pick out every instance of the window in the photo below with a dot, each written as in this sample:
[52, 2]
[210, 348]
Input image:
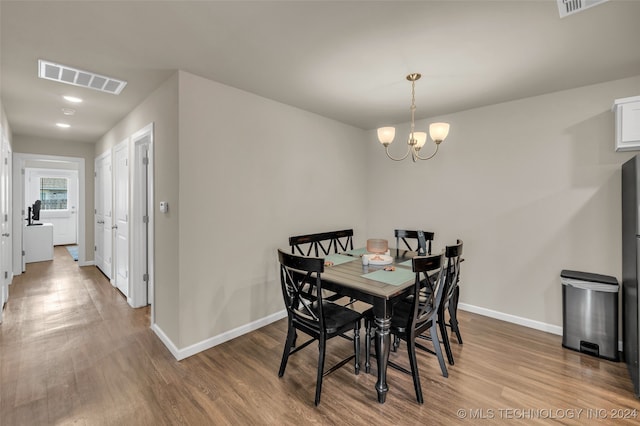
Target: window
[53, 193]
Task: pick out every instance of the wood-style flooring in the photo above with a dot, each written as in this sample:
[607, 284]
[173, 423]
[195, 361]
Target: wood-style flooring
[73, 352]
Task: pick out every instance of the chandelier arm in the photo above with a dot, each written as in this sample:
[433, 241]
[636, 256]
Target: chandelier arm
[416, 155]
[386, 148]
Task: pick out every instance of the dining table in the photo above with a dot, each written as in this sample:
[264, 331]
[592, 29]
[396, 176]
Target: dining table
[346, 274]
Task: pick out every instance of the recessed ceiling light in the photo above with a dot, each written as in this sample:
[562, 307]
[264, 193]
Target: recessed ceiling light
[72, 99]
[68, 111]
[63, 125]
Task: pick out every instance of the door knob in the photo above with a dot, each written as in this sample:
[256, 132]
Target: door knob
[114, 227]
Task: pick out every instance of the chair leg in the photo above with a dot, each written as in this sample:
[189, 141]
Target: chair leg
[291, 337]
[453, 314]
[321, 351]
[356, 346]
[438, 350]
[445, 336]
[453, 321]
[411, 349]
[396, 343]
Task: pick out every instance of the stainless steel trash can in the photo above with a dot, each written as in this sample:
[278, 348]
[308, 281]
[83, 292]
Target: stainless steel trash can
[590, 313]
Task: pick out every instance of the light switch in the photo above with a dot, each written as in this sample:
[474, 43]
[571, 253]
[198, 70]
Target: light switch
[164, 207]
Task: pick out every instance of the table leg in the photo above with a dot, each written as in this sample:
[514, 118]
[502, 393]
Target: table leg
[383, 343]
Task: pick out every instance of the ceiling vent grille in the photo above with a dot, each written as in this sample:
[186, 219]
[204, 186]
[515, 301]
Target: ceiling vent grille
[69, 75]
[571, 7]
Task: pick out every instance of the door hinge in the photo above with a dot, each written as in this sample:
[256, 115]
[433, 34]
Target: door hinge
[95, 174]
[6, 275]
[145, 278]
[6, 161]
[145, 161]
[6, 217]
[23, 253]
[22, 212]
[22, 171]
[95, 248]
[145, 219]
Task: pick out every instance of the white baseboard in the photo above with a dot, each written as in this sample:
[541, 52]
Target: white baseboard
[87, 263]
[526, 322]
[181, 354]
[538, 325]
[167, 342]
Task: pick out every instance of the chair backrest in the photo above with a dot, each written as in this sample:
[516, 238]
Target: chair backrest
[453, 255]
[429, 274]
[421, 243]
[302, 287]
[322, 244]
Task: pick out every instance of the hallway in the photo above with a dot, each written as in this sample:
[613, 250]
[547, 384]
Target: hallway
[69, 344]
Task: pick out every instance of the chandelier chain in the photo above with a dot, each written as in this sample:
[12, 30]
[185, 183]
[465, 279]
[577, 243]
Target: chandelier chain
[413, 107]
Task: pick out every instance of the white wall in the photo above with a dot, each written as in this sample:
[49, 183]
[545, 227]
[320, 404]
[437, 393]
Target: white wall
[4, 124]
[252, 172]
[531, 187]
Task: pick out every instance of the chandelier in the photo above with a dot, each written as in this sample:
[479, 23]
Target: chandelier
[437, 131]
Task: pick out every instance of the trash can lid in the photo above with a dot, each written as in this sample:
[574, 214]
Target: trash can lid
[587, 276]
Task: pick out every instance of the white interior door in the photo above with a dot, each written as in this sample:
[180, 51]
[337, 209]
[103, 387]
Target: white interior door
[103, 215]
[121, 217]
[98, 213]
[58, 191]
[5, 226]
[107, 200]
[141, 219]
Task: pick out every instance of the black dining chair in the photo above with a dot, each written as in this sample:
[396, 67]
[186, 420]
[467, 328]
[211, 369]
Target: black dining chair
[453, 255]
[411, 319]
[315, 316]
[322, 244]
[422, 245]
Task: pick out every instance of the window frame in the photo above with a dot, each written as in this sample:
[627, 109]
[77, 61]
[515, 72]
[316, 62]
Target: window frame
[40, 194]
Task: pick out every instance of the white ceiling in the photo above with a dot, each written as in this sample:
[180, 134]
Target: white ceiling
[346, 60]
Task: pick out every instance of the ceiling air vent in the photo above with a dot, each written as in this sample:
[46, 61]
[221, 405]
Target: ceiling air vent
[571, 7]
[69, 75]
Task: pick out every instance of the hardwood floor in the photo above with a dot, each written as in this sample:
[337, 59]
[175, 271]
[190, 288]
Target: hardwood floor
[73, 352]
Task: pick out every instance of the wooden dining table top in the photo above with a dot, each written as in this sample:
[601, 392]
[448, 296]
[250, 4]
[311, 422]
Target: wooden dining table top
[349, 276]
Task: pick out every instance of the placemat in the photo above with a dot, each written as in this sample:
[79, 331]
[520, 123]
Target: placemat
[356, 252]
[339, 259]
[407, 263]
[397, 277]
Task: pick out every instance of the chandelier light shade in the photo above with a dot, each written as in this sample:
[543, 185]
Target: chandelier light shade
[437, 131]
